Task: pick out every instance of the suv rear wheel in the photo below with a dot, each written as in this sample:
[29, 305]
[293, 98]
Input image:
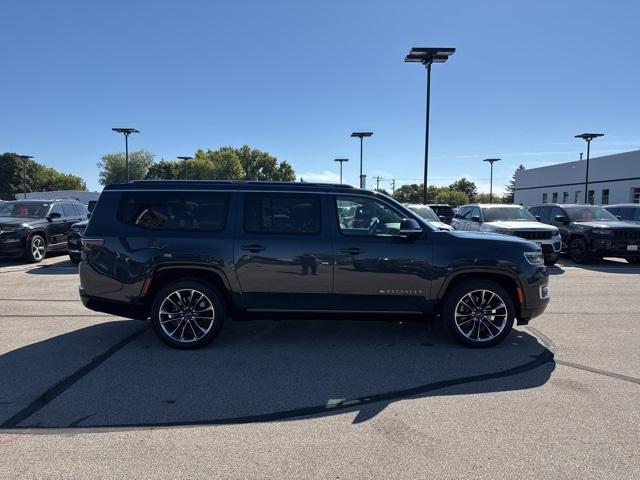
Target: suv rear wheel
[36, 249]
[478, 313]
[187, 314]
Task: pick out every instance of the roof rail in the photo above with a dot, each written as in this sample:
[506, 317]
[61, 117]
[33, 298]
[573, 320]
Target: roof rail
[250, 182]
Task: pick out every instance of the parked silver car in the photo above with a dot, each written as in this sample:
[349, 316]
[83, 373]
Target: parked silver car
[427, 214]
[510, 220]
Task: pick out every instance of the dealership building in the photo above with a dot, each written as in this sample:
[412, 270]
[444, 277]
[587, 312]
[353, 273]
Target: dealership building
[612, 179]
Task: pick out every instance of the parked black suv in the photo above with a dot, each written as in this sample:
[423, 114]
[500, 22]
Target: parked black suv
[31, 228]
[188, 253]
[627, 212]
[590, 231]
[74, 244]
[445, 212]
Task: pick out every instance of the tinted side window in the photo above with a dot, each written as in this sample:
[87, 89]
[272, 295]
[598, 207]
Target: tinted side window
[544, 214]
[81, 209]
[555, 211]
[534, 211]
[366, 217]
[288, 213]
[475, 212]
[57, 208]
[461, 212]
[203, 211]
[68, 210]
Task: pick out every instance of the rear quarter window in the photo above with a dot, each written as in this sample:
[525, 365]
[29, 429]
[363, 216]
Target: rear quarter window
[182, 211]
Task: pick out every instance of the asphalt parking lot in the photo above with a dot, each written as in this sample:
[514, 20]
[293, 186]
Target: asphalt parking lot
[86, 395]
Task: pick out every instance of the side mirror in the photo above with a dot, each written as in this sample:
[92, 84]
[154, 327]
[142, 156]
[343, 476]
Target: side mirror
[410, 227]
[88, 215]
[538, 218]
[561, 219]
[475, 218]
[54, 215]
[618, 217]
[442, 218]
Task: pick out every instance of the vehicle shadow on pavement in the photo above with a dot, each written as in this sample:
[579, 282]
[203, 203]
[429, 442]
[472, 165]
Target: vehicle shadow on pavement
[257, 371]
[60, 268]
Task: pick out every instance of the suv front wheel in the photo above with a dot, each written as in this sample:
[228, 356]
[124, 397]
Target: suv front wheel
[36, 249]
[478, 313]
[187, 314]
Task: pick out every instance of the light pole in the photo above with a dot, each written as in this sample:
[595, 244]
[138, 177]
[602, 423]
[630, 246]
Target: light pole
[24, 158]
[186, 159]
[126, 132]
[491, 161]
[427, 56]
[588, 137]
[361, 135]
[341, 160]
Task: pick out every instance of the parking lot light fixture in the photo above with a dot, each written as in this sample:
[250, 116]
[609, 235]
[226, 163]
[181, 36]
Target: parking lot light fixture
[361, 135]
[24, 158]
[126, 132]
[491, 161]
[186, 159]
[341, 160]
[587, 137]
[427, 56]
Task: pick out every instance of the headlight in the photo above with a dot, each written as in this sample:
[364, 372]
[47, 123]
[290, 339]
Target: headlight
[534, 258]
[601, 231]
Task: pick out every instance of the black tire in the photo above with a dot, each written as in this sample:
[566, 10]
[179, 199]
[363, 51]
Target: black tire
[180, 306]
[458, 297]
[633, 260]
[36, 249]
[579, 251]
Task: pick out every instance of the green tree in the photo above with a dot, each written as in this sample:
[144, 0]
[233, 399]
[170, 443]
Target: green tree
[167, 170]
[222, 164]
[16, 173]
[451, 197]
[410, 193]
[466, 186]
[484, 198]
[259, 165]
[510, 188]
[113, 170]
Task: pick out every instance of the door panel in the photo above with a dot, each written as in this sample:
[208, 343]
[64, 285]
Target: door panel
[375, 268]
[283, 253]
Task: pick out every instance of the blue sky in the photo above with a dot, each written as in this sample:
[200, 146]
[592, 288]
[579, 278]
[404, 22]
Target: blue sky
[296, 77]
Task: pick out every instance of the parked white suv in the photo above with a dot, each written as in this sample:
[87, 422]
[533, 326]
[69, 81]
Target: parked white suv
[510, 220]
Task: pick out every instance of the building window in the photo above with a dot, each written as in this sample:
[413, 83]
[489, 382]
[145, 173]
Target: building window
[636, 195]
[565, 197]
[605, 196]
[554, 197]
[544, 198]
[591, 196]
[578, 196]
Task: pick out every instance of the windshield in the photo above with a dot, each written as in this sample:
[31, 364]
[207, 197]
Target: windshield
[24, 209]
[507, 214]
[425, 212]
[589, 213]
[444, 210]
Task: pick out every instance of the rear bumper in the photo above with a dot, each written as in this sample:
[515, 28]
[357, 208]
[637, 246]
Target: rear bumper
[135, 311]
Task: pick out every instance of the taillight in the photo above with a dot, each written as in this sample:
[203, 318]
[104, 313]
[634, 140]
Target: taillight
[90, 243]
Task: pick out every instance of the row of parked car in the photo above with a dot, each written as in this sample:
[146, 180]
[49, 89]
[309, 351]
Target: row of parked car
[583, 232]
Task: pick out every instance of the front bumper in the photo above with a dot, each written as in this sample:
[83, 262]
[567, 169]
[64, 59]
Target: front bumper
[615, 248]
[11, 246]
[536, 296]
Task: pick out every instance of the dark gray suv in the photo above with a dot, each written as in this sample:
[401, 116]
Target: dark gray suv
[186, 254]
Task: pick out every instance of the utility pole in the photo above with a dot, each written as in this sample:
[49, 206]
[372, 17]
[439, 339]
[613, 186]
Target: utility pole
[378, 178]
[393, 186]
[25, 160]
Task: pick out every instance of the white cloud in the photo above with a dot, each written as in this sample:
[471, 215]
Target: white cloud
[325, 176]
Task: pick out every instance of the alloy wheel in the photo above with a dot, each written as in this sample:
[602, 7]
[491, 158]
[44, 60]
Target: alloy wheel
[186, 315]
[38, 248]
[481, 315]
